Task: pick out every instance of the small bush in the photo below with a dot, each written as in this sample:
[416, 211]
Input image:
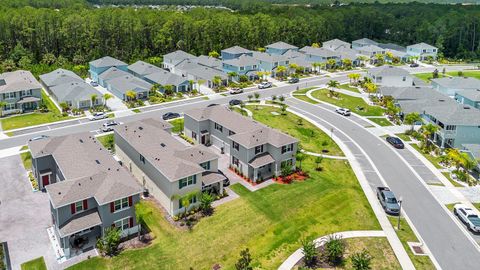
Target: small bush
[334, 249]
[309, 252]
[361, 260]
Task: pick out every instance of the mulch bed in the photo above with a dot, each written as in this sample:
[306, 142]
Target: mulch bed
[320, 264]
[296, 176]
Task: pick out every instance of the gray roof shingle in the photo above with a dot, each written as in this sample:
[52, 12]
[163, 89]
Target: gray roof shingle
[179, 55]
[335, 44]
[74, 91]
[236, 50]
[107, 61]
[386, 71]
[79, 222]
[164, 77]
[126, 83]
[242, 61]
[422, 45]
[365, 41]
[111, 73]
[281, 46]
[17, 81]
[322, 52]
[59, 76]
[458, 82]
[143, 68]
[472, 94]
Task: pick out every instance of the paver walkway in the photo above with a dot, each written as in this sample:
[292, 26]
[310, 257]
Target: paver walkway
[290, 262]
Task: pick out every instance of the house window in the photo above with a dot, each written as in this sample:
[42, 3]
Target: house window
[254, 66]
[379, 79]
[235, 161]
[230, 133]
[23, 93]
[9, 95]
[451, 127]
[79, 206]
[218, 127]
[121, 204]
[191, 180]
[235, 146]
[142, 159]
[434, 50]
[194, 135]
[205, 165]
[242, 68]
[404, 78]
[192, 201]
[258, 149]
[288, 162]
[10, 106]
[123, 224]
[287, 148]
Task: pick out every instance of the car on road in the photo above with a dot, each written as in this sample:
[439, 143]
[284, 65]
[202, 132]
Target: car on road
[235, 102]
[343, 111]
[109, 125]
[98, 116]
[41, 137]
[395, 142]
[388, 201]
[414, 65]
[293, 80]
[235, 91]
[94, 84]
[467, 216]
[264, 85]
[170, 115]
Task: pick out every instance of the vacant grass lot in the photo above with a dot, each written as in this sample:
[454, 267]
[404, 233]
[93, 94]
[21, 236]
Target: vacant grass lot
[405, 234]
[348, 102]
[381, 121]
[269, 222]
[382, 253]
[311, 138]
[428, 76]
[36, 118]
[177, 125]
[108, 141]
[36, 264]
[348, 88]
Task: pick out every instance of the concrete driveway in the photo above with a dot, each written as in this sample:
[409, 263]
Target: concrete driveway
[24, 216]
[115, 104]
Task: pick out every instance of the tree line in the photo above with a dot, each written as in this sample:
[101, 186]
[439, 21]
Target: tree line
[78, 33]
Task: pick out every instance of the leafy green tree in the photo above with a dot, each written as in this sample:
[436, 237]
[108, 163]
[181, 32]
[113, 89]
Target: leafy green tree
[245, 261]
[106, 97]
[361, 260]
[64, 106]
[108, 244]
[281, 71]
[412, 118]
[2, 107]
[281, 99]
[93, 98]
[49, 59]
[318, 161]
[232, 75]
[256, 95]
[214, 54]
[315, 45]
[8, 65]
[217, 80]
[131, 95]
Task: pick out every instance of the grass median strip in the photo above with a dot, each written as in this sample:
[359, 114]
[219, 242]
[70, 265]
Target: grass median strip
[354, 104]
[381, 121]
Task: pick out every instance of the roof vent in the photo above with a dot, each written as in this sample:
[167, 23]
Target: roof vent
[466, 108]
[97, 161]
[441, 100]
[59, 193]
[162, 144]
[79, 184]
[81, 140]
[141, 128]
[109, 169]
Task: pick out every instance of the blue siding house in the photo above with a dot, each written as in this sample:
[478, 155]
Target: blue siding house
[99, 66]
[270, 62]
[469, 97]
[235, 52]
[280, 48]
[319, 55]
[422, 50]
[244, 65]
[451, 85]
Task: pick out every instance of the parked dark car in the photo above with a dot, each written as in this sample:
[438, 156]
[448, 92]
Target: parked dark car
[293, 80]
[170, 115]
[396, 142]
[414, 65]
[234, 102]
[388, 201]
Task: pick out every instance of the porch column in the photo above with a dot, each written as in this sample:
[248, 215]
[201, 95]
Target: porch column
[254, 175]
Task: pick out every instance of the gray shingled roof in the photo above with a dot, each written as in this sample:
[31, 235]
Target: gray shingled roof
[236, 50]
[261, 160]
[365, 41]
[204, 72]
[143, 68]
[166, 78]
[461, 115]
[111, 73]
[209, 61]
[247, 132]
[17, 81]
[179, 55]
[281, 46]
[79, 222]
[125, 83]
[269, 58]
[74, 91]
[397, 53]
[319, 52]
[242, 61]
[422, 45]
[294, 54]
[411, 93]
[209, 178]
[386, 71]
[107, 61]
[59, 76]
[458, 82]
[370, 49]
[472, 94]
[392, 46]
[172, 158]
[89, 170]
[347, 53]
[336, 43]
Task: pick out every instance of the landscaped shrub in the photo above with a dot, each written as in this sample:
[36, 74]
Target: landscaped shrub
[361, 260]
[108, 244]
[309, 252]
[245, 260]
[334, 249]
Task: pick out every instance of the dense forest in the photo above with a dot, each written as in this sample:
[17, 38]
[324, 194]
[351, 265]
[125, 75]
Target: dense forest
[70, 32]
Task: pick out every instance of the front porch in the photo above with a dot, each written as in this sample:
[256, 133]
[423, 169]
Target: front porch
[212, 182]
[261, 168]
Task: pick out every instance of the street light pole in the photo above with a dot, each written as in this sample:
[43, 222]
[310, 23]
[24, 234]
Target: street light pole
[399, 212]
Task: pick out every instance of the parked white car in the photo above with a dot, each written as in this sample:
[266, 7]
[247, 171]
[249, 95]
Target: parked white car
[343, 111]
[264, 85]
[98, 116]
[468, 216]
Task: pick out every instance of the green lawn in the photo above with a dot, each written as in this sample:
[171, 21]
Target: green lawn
[379, 248]
[348, 88]
[455, 184]
[36, 118]
[406, 235]
[303, 91]
[108, 141]
[27, 160]
[381, 121]
[428, 76]
[348, 102]
[269, 222]
[177, 125]
[36, 264]
[311, 138]
[432, 159]
[466, 73]
[404, 137]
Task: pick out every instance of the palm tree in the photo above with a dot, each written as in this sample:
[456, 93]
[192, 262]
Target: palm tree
[185, 200]
[380, 58]
[362, 59]
[294, 67]
[300, 157]
[412, 118]
[347, 63]
[281, 71]
[250, 96]
[370, 88]
[93, 98]
[260, 74]
[283, 109]
[281, 99]
[427, 131]
[274, 98]
[191, 83]
[331, 63]
[64, 106]
[232, 75]
[318, 161]
[155, 88]
[168, 89]
[390, 55]
[332, 84]
[217, 80]
[315, 66]
[2, 106]
[131, 95]
[315, 45]
[256, 95]
[106, 97]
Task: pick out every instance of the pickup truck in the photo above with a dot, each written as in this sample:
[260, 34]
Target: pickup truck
[467, 216]
[388, 201]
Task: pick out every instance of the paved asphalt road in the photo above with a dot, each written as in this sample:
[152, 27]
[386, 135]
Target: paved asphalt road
[446, 240]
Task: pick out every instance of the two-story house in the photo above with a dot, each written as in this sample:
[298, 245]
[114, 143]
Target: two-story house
[141, 69]
[363, 42]
[243, 65]
[423, 51]
[451, 85]
[171, 60]
[20, 91]
[67, 87]
[280, 48]
[270, 62]
[167, 168]
[335, 44]
[164, 78]
[120, 86]
[320, 55]
[234, 52]
[88, 190]
[371, 50]
[101, 65]
[257, 151]
[390, 76]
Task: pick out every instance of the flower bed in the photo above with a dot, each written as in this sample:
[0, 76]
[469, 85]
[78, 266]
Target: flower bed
[248, 180]
[296, 176]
